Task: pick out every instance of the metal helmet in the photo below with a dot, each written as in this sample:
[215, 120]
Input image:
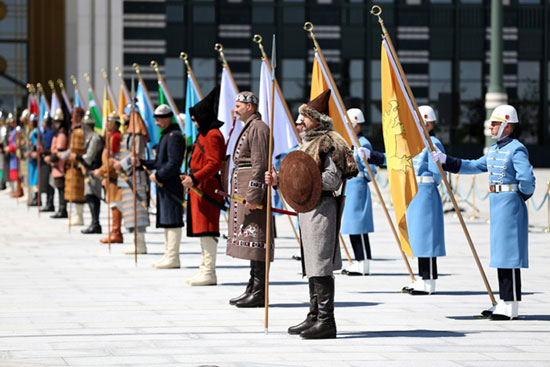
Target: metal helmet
[356, 116]
[427, 113]
[33, 117]
[25, 114]
[88, 118]
[10, 118]
[113, 116]
[505, 114]
[59, 115]
[46, 115]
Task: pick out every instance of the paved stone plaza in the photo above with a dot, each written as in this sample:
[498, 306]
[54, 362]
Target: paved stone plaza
[66, 301]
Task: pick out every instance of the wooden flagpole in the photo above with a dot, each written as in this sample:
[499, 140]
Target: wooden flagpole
[171, 101]
[109, 89]
[190, 73]
[134, 179]
[97, 103]
[308, 27]
[377, 11]
[75, 84]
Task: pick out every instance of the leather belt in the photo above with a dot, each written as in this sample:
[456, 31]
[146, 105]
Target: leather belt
[425, 179]
[503, 188]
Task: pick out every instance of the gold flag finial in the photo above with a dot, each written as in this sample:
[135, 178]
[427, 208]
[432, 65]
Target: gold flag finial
[377, 12]
[39, 86]
[308, 27]
[258, 39]
[185, 59]
[73, 78]
[219, 47]
[51, 84]
[136, 67]
[155, 65]
[104, 73]
[87, 76]
[60, 83]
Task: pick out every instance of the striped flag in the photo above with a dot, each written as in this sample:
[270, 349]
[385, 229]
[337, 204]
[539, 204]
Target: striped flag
[95, 111]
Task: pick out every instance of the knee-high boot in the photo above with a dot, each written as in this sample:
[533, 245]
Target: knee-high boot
[172, 258]
[311, 317]
[248, 288]
[256, 298]
[116, 234]
[62, 210]
[93, 203]
[325, 327]
[207, 273]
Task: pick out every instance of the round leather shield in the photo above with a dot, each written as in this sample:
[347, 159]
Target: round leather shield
[300, 181]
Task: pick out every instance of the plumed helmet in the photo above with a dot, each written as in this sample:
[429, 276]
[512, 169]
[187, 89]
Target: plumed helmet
[163, 111]
[356, 116]
[427, 113]
[505, 113]
[88, 118]
[25, 114]
[59, 115]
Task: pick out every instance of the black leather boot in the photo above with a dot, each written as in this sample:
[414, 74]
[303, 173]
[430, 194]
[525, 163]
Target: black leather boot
[325, 327]
[34, 201]
[311, 317]
[248, 289]
[256, 297]
[93, 203]
[62, 211]
[49, 202]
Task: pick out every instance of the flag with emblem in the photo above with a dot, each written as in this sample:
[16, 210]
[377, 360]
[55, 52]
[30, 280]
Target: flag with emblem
[402, 140]
[94, 111]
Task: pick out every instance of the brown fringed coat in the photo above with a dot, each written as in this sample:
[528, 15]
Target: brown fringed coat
[247, 229]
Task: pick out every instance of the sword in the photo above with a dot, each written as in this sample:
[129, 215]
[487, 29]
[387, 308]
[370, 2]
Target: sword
[170, 194]
[242, 200]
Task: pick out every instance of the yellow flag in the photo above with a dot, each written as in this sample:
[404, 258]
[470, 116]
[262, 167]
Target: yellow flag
[402, 140]
[107, 110]
[319, 84]
[122, 100]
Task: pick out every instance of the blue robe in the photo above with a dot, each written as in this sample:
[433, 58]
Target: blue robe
[31, 162]
[357, 217]
[507, 162]
[425, 213]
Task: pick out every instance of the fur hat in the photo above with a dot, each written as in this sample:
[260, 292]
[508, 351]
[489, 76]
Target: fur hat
[317, 109]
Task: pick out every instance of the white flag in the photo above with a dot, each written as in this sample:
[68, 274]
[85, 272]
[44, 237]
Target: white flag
[55, 105]
[284, 136]
[228, 95]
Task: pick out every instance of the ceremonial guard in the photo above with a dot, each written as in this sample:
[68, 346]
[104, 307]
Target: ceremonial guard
[59, 144]
[91, 160]
[12, 149]
[109, 178]
[319, 168]
[167, 163]
[425, 214]
[44, 150]
[247, 225]
[203, 216]
[32, 156]
[3, 156]
[123, 165]
[511, 183]
[74, 176]
[357, 220]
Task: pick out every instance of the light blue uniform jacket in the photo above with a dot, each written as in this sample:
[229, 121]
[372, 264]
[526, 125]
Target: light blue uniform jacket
[507, 164]
[425, 213]
[357, 217]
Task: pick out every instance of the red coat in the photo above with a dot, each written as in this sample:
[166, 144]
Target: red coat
[206, 162]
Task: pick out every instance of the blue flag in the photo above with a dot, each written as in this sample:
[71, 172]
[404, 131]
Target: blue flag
[43, 111]
[147, 114]
[77, 99]
[191, 99]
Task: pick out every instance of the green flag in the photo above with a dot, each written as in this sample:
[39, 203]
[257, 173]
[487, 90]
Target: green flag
[164, 100]
[95, 111]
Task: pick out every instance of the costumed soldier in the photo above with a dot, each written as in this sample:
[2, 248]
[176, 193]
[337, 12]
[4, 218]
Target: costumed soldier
[12, 149]
[3, 143]
[59, 144]
[247, 225]
[511, 183]
[167, 163]
[44, 150]
[319, 168]
[425, 214]
[74, 177]
[91, 159]
[123, 164]
[203, 217]
[357, 220]
[32, 158]
[109, 178]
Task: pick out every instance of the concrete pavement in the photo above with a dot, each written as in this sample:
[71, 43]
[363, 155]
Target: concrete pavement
[66, 301]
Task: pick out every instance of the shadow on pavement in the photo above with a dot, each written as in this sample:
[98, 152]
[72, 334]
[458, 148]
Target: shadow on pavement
[402, 334]
[243, 284]
[336, 304]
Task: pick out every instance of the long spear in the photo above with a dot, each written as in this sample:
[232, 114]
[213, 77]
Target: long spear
[308, 27]
[377, 11]
[134, 182]
[168, 96]
[269, 217]
[258, 40]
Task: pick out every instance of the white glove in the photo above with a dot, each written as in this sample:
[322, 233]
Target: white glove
[438, 155]
[362, 153]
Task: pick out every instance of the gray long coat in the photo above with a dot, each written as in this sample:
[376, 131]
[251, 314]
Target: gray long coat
[247, 229]
[318, 228]
[92, 159]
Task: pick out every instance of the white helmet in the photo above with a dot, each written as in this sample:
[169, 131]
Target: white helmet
[427, 113]
[356, 116]
[505, 114]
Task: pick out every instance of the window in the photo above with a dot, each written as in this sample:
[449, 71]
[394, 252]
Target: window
[175, 69]
[175, 13]
[293, 78]
[376, 92]
[263, 15]
[293, 15]
[205, 73]
[356, 78]
[204, 14]
[440, 73]
[255, 75]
